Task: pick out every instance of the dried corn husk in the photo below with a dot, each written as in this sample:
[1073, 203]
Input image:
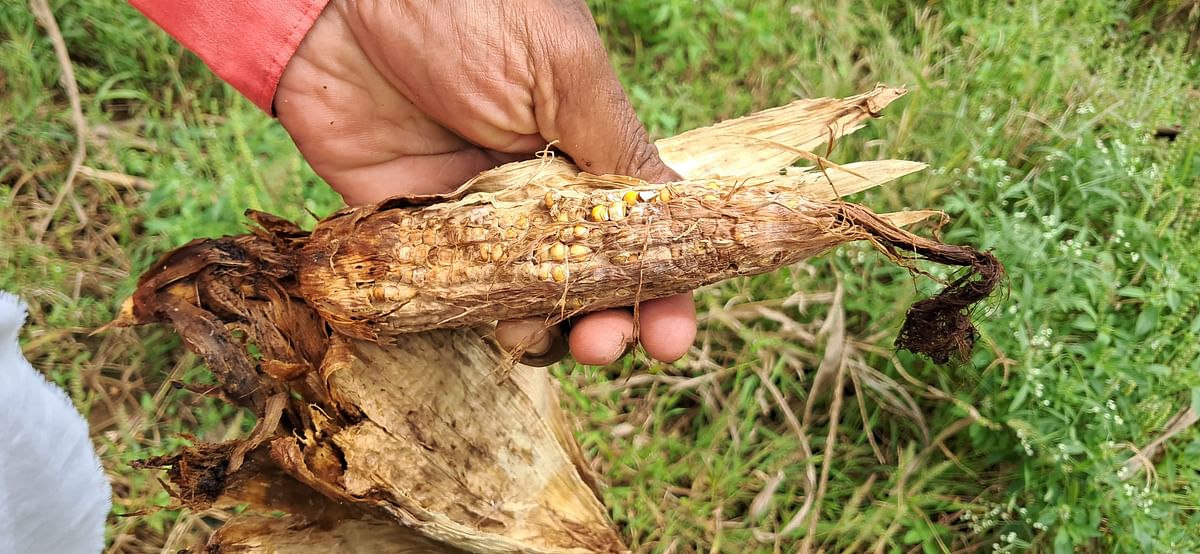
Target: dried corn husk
[387, 396]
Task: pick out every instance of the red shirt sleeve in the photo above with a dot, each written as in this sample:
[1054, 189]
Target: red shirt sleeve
[247, 43]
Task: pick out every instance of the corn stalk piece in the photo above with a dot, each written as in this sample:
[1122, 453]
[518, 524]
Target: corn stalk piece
[365, 345]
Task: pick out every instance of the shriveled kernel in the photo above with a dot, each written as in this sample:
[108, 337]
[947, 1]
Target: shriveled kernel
[565, 234]
[522, 221]
[711, 198]
[406, 222]
[600, 213]
[418, 275]
[664, 195]
[623, 259]
[630, 197]
[405, 254]
[559, 273]
[485, 252]
[558, 252]
[378, 293]
[430, 237]
[580, 232]
[497, 252]
[391, 293]
[579, 252]
[616, 211]
[562, 217]
[476, 234]
[406, 275]
[511, 233]
[543, 272]
[445, 256]
[550, 200]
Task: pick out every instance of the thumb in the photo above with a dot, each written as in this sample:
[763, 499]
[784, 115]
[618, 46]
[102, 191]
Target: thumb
[580, 104]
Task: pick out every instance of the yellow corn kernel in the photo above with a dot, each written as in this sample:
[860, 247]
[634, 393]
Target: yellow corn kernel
[580, 232]
[616, 211]
[511, 233]
[550, 200]
[664, 195]
[562, 216]
[579, 252]
[630, 197]
[558, 252]
[710, 198]
[497, 252]
[559, 273]
[406, 275]
[485, 252]
[522, 221]
[600, 213]
[543, 272]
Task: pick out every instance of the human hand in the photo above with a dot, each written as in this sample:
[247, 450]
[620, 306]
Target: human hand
[404, 98]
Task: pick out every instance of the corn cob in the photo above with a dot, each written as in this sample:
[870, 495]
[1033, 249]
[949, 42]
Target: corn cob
[561, 243]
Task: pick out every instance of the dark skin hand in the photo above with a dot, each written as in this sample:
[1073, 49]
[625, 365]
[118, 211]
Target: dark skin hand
[398, 98]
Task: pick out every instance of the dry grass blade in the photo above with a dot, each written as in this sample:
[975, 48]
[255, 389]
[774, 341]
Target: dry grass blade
[45, 16]
[1143, 458]
[810, 469]
[119, 179]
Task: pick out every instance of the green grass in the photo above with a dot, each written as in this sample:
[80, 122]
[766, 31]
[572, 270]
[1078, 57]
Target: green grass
[1036, 119]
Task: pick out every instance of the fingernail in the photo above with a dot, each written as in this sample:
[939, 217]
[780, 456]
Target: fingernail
[556, 347]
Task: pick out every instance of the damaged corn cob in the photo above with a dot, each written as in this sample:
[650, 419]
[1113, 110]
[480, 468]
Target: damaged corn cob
[541, 239]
